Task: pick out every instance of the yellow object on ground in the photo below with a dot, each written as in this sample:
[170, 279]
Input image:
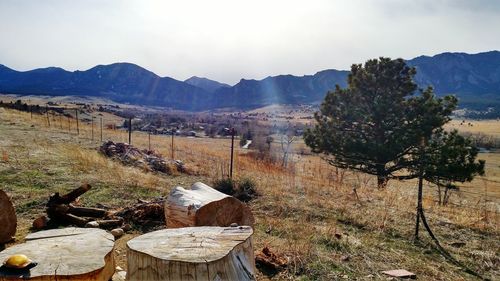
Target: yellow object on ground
[17, 261]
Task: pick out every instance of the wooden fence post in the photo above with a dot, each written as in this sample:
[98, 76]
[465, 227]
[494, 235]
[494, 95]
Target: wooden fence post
[47, 113]
[77, 124]
[173, 144]
[149, 139]
[130, 131]
[232, 153]
[101, 129]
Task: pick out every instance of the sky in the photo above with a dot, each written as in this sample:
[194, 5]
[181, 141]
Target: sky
[227, 40]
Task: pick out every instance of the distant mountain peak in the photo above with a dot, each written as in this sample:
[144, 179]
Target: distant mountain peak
[206, 84]
[49, 69]
[120, 65]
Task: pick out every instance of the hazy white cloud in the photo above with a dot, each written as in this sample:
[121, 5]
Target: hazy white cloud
[230, 39]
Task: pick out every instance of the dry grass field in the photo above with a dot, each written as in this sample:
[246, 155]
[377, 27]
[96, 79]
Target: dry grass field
[329, 224]
[487, 127]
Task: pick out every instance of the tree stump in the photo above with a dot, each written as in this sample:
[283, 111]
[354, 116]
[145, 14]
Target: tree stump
[204, 206]
[67, 254]
[8, 219]
[192, 253]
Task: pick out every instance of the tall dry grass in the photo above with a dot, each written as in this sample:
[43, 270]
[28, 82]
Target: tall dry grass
[305, 208]
[308, 175]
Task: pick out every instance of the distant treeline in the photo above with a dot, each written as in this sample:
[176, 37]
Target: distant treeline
[19, 105]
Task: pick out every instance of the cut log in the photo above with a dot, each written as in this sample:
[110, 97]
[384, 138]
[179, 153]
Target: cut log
[64, 254]
[71, 196]
[8, 219]
[74, 220]
[204, 206]
[192, 253]
[87, 212]
[108, 224]
[40, 223]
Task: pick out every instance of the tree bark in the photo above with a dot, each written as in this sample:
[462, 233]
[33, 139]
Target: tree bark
[192, 253]
[204, 206]
[8, 219]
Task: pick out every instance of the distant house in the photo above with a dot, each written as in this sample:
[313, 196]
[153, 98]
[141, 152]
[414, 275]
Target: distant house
[149, 128]
[163, 131]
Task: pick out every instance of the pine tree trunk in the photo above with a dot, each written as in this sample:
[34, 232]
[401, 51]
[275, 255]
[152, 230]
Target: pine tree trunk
[446, 195]
[440, 200]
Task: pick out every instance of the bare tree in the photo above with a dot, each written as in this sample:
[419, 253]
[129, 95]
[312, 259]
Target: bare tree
[286, 140]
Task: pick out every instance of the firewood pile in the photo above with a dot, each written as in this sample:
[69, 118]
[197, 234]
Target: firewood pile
[147, 159]
[146, 214]
[63, 210]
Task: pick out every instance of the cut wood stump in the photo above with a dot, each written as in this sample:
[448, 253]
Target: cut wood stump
[192, 253]
[64, 254]
[204, 206]
[8, 219]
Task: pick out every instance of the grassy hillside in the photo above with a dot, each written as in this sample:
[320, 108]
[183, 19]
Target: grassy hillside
[329, 224]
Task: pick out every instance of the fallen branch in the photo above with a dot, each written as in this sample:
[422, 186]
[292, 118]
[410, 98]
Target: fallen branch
[61, 211]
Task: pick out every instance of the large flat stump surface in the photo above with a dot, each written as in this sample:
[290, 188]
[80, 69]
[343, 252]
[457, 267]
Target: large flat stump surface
[64, 254]
[192, 253]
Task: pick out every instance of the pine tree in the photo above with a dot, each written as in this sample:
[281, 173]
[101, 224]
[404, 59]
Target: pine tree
[377, 123]
[450, 158]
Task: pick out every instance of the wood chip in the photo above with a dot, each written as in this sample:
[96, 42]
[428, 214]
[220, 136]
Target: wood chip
[400, 273]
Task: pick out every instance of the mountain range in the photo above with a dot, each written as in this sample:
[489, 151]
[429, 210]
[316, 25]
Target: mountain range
[474, 78]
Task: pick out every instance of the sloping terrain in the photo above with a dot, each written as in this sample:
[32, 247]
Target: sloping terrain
[327, 224]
